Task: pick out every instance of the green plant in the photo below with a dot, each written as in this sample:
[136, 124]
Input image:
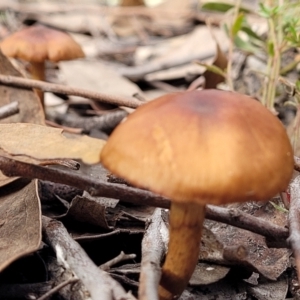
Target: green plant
[283, 33]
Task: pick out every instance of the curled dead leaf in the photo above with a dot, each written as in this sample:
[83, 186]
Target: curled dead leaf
[42, 142]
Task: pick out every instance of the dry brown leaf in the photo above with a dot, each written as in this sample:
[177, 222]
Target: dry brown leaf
[96, 76]
[211, 248]
[87, 211]
[207, 274]
[213, 79]
[269, 262]
[42, 142]
[20, 221]
[197, 45]
[107, 214]
[30, 108]
[270, 290]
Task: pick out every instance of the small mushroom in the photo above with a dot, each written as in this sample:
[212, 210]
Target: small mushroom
[198, 148]
[38, 43]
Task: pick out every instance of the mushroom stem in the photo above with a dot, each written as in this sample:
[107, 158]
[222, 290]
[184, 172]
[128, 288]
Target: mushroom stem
[185, 226]
[37, 70]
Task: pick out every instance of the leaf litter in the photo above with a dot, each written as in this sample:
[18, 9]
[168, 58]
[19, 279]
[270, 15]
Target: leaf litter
[104, 227]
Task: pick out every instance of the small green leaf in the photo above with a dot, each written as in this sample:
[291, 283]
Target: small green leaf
[278, 207]
[264, 10]
[221, 7]
[212, 68]
[245, 46]
[271, 49]
[217, 6]
[297, 85]
[250, 32]
[236, 26]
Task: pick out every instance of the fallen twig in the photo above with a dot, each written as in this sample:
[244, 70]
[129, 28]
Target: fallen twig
[57, 288]
[9, 109]
[105, 122]
[276, 235]
[68, 163]
[69, 253]
[121, 257]
[65, 128]
[67, 90]
[124, 193]
[294, 220]
[153, 250]
[94, 186]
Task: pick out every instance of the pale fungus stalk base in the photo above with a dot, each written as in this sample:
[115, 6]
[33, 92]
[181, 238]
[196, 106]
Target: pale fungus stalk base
[185, 226]
[37, 70]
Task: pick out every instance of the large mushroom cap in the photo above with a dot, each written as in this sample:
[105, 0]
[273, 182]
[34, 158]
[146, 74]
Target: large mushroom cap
[39, 43]
[204, 147]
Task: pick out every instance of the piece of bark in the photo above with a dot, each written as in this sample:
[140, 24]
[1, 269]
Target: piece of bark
[69, 253]
[106, 122]
[9, 109]
[153, 250]
[294, 220]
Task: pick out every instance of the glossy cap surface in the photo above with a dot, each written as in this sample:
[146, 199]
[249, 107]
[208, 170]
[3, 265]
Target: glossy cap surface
[39, 43]
[202, 146]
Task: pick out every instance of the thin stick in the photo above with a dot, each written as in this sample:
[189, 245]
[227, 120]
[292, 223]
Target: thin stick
[65, 128]
[57, 288]
[69, 253]
[58, 88]
[121, 257]
[104, 122]
[294, 221]
[68, 163]
[153, 250]
[274, 233]
[95, 186]
[9, 109]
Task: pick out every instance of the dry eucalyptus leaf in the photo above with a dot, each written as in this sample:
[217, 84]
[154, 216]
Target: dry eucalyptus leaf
[30, 109]
[219, 290]
[212, 79]
[42, 142]
[178, 72]
[96, 76]
[276, 290]
[211, 248]
[265, 211]
[199, 44]
[89, 212]
[98, 212]
[20, 221]
[269, 262]
[207, 274]
[73, 21]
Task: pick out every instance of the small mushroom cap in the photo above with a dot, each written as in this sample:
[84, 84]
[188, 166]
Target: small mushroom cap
[39, 43]
[204, 147]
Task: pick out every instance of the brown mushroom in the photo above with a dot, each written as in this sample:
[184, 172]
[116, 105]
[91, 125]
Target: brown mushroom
[38, 43]
[196, 148]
